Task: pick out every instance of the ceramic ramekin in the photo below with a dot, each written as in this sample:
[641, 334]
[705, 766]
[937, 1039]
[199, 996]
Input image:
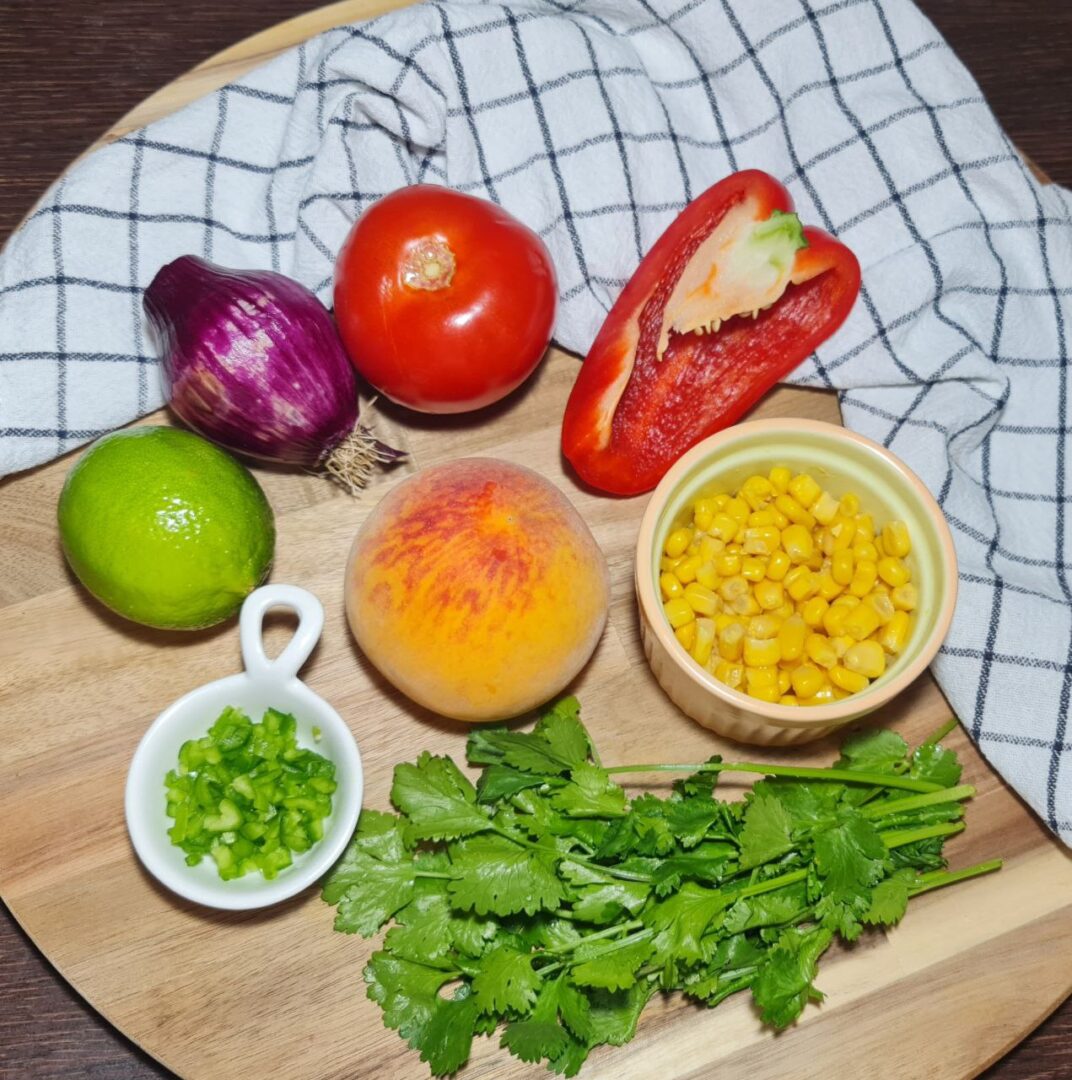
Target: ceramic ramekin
[264, 684]
[841, 461]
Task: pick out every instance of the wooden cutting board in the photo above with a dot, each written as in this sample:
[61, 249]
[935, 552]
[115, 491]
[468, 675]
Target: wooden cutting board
[277, 993]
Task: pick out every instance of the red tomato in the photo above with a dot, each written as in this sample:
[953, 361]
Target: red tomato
[445, 302]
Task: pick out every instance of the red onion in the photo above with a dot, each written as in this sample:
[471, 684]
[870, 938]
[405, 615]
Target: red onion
[252, 360]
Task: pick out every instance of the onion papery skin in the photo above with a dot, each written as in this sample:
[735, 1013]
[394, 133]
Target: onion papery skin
[253, 361]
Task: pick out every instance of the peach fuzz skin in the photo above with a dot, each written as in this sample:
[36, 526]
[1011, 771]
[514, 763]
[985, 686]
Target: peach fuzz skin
[477, 589]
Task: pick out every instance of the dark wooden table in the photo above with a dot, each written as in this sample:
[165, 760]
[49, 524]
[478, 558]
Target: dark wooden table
[69, 68]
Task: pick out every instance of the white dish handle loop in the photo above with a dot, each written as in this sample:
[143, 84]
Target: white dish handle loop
[288, 663]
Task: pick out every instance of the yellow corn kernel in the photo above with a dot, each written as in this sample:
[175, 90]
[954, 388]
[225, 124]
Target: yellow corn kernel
[730, 641]
[852, 681]
[693, 548]
[707, 575]
[864, 549]
[678, 612]
[895, 633]
[779, 477]
[807, 680]
[730, 674]
[702, 601]
[721, 499]
[791, 638]
[668, 565]
[733, 587]
[765, 693]
[788, 699]
[705, 641]
[727, 564]
[686, 570]
[764, 627]
[865, 527]
[797, 543]
[804, 489]
[829, 589]
[753, 568]
[769, 594]
[794, 511]
[758, 518]
[813, 610]
[895, 539]
[760, 653]
[687, 635]
[762, 540]
[863, 578]
[724, 527]
[841, 566]
[801, 583]
[756, 491]
[765, 675]
[820, 651]
[842, 644]
[905, 597]
[737, 508]
[734, 549]
[670, 587]
[724, 619]
[825, 695]
[843, 530]
[880, 547]
[849, 505]
[710, 546]
[861, 622]
[703, 513]
[778, 519]
[678, 541]
[784, 681]
[893, 571]
[866, 658]
[882, 605]
[778, 565]
[745, 605]
[834, 619]
[786, 611]
[825, 508]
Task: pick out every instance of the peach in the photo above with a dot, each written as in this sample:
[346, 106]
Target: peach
[476, 589]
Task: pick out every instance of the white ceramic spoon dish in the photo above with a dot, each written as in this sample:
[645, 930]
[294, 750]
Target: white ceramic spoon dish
[264, 684]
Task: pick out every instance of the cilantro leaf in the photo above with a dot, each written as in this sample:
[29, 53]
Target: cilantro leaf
[505, 981]
[539, 1035]
[563, 731]
[422, 929]
[569, 1062]
[406, 991]
[614, 1015]
[690, 819]
[378, 836]
[438, 800]
[498, 782]
[612, 965]
[494, 875]
[682, 920]
[575, 1010]
[766, 832]
[937, 764]
[889, 900]
[709, 862]
[850, 858]
[785, 981]
[875, 751]
[527, 752]
[607, 903]
[590, 793]
[470, 935]
[774, 908]
[447, 1038]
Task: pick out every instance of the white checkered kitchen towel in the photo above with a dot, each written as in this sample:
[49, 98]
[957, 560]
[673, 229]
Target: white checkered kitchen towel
[595, 121]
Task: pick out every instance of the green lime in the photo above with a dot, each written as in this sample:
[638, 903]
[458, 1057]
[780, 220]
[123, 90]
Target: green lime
[165, 528]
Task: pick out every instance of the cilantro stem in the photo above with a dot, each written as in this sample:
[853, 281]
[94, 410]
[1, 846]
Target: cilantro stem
[937, 879]
[899, 837]
[845, 776]
[624, 875]
[433, 874]
[771, 884]
[941, 733]
[915, 802]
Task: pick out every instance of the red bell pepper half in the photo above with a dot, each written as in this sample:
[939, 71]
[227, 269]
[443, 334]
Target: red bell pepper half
[732, 297]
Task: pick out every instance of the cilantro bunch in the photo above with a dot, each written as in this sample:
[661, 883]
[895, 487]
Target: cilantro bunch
[545, 900]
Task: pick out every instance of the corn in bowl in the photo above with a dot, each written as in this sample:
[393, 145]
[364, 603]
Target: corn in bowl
[787, 593]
